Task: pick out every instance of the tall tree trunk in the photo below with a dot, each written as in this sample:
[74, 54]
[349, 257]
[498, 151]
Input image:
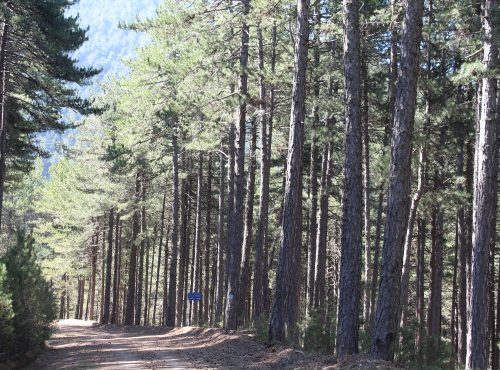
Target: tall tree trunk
[235, 229]
[62, 304]
[436, 276]
[93, 274]
[196, 274]
[462, 242]
[291, 227]
[79, 291]
[80, 302]
[170, 317]
[313, 171]
[162, 228]
[386, 325]
[3, 110]
[260, 285]
[147, 311]
[116, 281]
[184, 248]
[405, 276]
[322, 235]
[483, 200]
[376, 251]
[454, 287]
[109, 260]
[219, 299]
[350, 257]
[140, 277]
[129, 310]
[495, 359]
[206, 254]
[420, 316]
[103, 271]
[247, 238]
[366, 195]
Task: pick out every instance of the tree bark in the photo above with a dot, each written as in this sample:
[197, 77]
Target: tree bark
[313, 171]
[140, 277]
[291, 228]
[350, 257]
[495, 359]
[3, 110]
[158, 265]
[196, 275]
[462, 242]
[93, 274]
[260, 285]
[366, 195]
[170, 317]
[483, 200]
[129, 311]
[235, 229]
[386, 326]
[109, 260]
[244, 301]
[206, 254]
[322, 235]
[420, 316]
[116, 281]
[220, 241]
[376, 251]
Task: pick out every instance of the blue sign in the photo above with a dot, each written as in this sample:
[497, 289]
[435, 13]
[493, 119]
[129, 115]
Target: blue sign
[194, 296]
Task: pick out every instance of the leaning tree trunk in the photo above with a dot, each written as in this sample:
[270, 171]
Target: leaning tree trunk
[386, 325]
[235, 230]
[483, 200]
[352, 205]
[290, 222]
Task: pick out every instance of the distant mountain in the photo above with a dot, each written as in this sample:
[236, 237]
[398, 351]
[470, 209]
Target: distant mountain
[107, 46]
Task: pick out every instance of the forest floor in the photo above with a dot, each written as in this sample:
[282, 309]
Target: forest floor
[84, 345]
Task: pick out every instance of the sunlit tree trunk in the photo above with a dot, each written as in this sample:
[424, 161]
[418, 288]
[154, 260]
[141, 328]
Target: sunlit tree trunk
[385, 329]
[291, 227]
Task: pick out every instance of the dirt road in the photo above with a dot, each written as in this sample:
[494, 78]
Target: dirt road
[81, 345]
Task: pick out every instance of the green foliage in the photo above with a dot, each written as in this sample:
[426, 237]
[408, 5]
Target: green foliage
[319, 332]
[436, 353]
[6, 315]
[27, 303]
[261, 326]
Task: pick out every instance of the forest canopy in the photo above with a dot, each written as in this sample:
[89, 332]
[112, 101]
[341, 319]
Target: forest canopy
[324, 173]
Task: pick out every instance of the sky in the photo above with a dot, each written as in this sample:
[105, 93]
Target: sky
[107, 46]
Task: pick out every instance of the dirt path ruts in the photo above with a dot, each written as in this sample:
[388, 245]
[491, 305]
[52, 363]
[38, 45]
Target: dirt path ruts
[81, 345]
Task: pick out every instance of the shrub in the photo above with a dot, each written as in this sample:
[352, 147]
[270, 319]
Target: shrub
[27, 303]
